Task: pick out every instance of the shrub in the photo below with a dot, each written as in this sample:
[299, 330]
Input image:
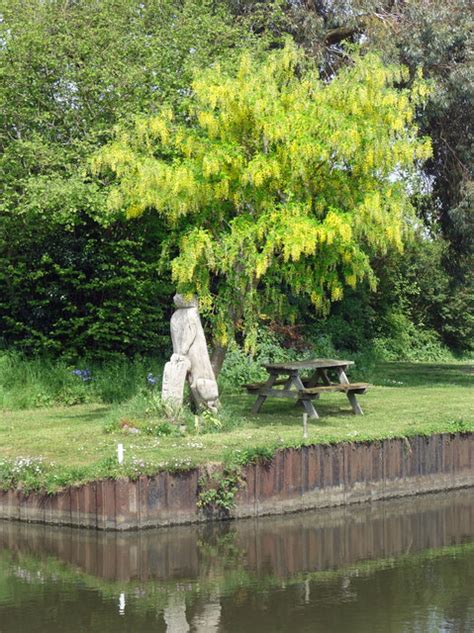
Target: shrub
[407, 342]
[28, 383]
[240, 368]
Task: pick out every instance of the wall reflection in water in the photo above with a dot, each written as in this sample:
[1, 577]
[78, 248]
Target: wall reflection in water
[305, 570]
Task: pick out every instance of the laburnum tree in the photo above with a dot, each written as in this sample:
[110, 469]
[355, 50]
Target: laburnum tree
[277, 184]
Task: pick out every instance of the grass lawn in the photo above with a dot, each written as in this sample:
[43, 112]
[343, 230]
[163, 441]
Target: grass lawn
[406, 399]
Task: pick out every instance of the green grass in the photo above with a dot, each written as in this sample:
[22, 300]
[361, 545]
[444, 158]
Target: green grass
[406, 399]
[44, 382]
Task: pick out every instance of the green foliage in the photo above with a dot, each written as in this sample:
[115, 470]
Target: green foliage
[430, 34]
[26, 470]
[417, 305]
[217, 491]
[460, 426]
[147, 413]
[78, 282]
[241, 367]
[439, 38]
[250, 455]
[33, 474]
[70, 71]
[278, 183]
[82, 290]
[155, 407]
[208, 422]
[427, 294]
[416, 312]
[147, 426]
[27, 383]
[406, 342]
[73, 281]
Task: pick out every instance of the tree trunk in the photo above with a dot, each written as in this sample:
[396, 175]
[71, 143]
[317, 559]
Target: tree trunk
[217, 359]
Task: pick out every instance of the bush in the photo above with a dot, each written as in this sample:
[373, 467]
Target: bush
[240, 368]
[85, 290]
[27, 383]
[407, 342]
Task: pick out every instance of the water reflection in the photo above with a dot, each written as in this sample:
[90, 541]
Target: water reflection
[401, 565]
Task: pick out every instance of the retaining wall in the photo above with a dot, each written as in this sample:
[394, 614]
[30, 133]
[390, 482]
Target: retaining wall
[296, 479]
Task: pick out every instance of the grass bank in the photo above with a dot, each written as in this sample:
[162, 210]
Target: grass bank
[57, 446]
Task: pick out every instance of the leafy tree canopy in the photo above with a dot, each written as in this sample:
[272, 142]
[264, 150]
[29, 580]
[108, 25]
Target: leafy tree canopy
[278, 183]
[70, 281]
[435, 35]
[70, 70]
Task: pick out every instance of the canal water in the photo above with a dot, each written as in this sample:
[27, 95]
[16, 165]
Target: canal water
[392, 566]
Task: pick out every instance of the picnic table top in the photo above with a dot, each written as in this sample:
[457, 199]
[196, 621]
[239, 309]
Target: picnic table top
[316, 363]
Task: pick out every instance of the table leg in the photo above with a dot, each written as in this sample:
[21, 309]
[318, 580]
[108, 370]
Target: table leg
[307, 404]
[288, 384]
[313, 380]
[261, 398]
[323, 375]
[354, 404]
[319, 377]
[343, 379]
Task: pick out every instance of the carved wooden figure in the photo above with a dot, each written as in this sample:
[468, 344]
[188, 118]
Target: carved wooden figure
[190, 359]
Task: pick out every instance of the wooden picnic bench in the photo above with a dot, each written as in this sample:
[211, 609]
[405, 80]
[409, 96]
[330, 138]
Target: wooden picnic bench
[305, 390]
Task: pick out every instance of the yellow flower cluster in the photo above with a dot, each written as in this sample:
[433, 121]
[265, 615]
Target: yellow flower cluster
[276, 180]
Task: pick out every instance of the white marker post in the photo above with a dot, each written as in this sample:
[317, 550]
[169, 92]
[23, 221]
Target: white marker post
[120, 453]
[305, 425]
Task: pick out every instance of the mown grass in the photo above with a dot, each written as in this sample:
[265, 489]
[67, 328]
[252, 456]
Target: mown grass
[406, 399]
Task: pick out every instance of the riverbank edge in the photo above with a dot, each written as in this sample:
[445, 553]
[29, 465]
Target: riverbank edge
[309, 477]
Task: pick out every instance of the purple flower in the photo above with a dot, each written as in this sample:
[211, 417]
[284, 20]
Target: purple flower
[84, 374]
[151, 380]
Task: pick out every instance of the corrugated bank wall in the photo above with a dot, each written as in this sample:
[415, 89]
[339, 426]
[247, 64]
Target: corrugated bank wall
[296, 479]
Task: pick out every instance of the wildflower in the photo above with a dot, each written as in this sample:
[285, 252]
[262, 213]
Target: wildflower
[84, 374]
[151, 379]
[195, 445]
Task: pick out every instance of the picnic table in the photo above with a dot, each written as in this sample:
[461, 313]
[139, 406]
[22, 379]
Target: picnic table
[285, 381]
